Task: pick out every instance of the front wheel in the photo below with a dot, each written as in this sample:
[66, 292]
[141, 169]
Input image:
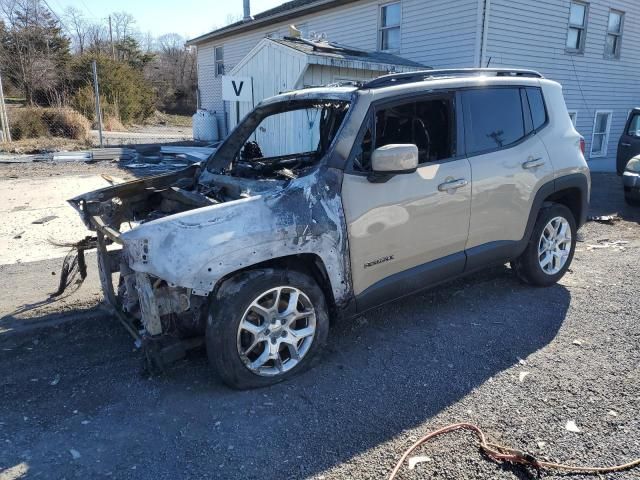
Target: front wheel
[550, 248]
[265, 326]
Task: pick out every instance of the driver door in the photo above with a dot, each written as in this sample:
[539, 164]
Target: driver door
[410, 231]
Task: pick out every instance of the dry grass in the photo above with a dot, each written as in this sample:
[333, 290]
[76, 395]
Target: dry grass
[112, 124]
[36, 123]
[169, 120]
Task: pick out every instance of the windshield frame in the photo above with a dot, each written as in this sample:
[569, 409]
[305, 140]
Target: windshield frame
[232, 144]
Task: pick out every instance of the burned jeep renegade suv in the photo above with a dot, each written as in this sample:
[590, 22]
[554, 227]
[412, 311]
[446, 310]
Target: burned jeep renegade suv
[327, 202]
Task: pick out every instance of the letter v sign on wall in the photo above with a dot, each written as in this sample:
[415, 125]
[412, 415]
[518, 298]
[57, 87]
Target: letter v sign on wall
[237, 88]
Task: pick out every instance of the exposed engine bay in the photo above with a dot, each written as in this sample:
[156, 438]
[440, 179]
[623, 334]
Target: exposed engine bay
[249, 172]
[181, 231]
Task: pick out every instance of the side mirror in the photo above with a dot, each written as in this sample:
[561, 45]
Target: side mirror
[392, 160]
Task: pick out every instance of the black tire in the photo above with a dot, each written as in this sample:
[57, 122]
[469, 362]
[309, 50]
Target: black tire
[527, 266]
[633, 202]
[227, 309]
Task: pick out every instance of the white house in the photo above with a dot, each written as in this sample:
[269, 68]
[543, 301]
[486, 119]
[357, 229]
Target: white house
[588, 46]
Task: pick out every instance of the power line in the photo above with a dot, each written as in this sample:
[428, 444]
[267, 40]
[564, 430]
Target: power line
[88, 9]
[62, 24]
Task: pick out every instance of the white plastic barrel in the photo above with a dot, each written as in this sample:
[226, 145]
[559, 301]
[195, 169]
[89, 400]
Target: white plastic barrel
[205, 126]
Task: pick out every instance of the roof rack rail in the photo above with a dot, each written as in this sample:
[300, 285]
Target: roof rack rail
[421, 75]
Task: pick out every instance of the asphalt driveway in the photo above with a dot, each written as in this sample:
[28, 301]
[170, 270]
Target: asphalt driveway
[519, 361]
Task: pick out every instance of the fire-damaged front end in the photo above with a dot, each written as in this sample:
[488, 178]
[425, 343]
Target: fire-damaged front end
[166, 243]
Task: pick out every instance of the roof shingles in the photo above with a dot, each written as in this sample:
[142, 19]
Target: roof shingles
[263, 16]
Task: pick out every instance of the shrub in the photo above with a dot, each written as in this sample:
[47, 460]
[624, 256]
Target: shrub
[112, 124]
[27, 123]
[124, 93]
[66, 123]
[35, 122]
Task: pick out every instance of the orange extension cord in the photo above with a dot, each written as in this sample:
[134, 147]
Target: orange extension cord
[499, 453]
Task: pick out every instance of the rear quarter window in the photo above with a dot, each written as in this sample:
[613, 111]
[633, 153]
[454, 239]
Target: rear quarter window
[493, 119]
[634, 126]
[537, 107]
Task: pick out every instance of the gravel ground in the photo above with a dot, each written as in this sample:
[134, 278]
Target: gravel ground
[74, 404]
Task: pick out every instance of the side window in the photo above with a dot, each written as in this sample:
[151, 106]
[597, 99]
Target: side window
[362, 158]
[634, 126]
[428, 124]
[493, 118]
[537, 107]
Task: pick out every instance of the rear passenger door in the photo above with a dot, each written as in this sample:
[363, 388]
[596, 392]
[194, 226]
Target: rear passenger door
[509, 163]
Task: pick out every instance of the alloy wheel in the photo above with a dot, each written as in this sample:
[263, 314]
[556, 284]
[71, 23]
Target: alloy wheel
[276, 331]
[554, 246]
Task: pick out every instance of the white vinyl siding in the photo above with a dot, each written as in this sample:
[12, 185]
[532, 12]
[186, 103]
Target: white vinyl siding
[447, 34]
[533, 35]
[600, 135]
[427, 38]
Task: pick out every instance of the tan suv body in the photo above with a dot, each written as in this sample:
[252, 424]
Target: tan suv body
[415, 179]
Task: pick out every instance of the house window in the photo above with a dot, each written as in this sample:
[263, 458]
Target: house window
[600, 138]
[614, 34]
[577, 32]
[573, 115]
[390, 26]
[219, 59]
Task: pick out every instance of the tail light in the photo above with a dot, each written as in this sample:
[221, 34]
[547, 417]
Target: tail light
[582, 145]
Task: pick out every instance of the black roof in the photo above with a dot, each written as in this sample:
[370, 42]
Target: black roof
[263, 17]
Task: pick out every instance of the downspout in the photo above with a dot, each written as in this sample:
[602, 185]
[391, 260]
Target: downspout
[485, 32]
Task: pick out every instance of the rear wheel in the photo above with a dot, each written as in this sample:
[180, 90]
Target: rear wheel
[550, 249]
[634, 202]
[265, 326]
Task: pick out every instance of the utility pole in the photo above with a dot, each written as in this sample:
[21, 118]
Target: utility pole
[96, 89]
[4, 120]
[113, 50]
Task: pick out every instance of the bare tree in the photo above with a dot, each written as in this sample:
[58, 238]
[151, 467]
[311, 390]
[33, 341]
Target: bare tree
[171, 44]
[96, 40]
[123, 25]
[32, 46]
[147, 42]
[76, 22]
[173, 73]
[231, 18]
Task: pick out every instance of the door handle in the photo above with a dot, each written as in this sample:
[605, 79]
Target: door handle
[533, 163]
[452, 185]
[625, 144]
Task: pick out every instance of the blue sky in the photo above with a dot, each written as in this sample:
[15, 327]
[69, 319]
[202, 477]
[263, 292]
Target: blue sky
[188, 18]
